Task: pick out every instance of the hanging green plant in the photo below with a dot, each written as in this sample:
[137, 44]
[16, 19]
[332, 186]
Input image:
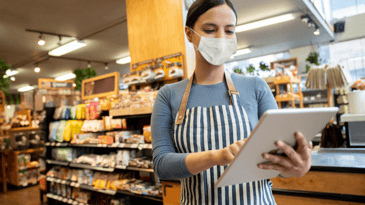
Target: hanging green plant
[4, 82]
[82, 74]
[237, 70]
[263, 66]
[313, 58]
[251, 68]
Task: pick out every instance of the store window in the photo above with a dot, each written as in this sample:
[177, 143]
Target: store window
[349, 54]
[344, 8]
[243, 64]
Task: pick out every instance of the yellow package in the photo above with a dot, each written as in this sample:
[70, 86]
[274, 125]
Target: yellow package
[78, 112]
[83, 111]
[67, 131]
[113, 178]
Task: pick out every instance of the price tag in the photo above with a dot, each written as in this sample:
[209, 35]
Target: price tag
[121, 145]
[121, 167]
[115, 145]
[100, 145]
[64, 200]
[53, 144]
[47, 143]
[75, 203]
[134, 145]
[59, 198]
[63, 182]
[58, 181]
[70, 201]
[149, 146]
[77, 185]
[58, 144]
[105, 145]
[81, 204]
[72, 184]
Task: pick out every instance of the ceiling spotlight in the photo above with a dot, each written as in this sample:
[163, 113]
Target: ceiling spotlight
[88, 64]
[316, 32]
[59, 41]
[106, 66]
[12, 78]
[305, 19]
[41, 41]
[37, 69]
[310, 24]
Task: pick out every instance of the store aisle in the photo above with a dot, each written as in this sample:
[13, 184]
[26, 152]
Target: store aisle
[26, 196]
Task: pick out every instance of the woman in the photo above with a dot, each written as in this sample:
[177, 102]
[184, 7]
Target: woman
[199, 124]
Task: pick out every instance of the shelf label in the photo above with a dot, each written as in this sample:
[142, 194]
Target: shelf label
[72, 184]
[121, 167]
[134, 145]
[63, 182]
[100, 145]
[75, 203]
[47, 143]
[53, 143]
[70, 201]
[58, 144]
[64, 200]
[58, 181]
[115, 145]
[77, 185]
[105, 145]
[121, 145]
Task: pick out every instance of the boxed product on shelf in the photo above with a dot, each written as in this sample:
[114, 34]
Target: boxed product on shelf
[123, 157]
[63, 154]
[105, 139]
[106, 160]
[90, 159]
[74, 175]
[88, 177]
[123, 136]
[147, 133]
[88, 138]
[112, 180]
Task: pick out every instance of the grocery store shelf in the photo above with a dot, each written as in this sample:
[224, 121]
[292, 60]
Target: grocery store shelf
[28, 151]
[129, 112]
[56, 144]
[64, 200]
[28, 168]
[91, 188]
[139, 169]
[85, 166]
[19, 129]
[140, 195]
[57, 162]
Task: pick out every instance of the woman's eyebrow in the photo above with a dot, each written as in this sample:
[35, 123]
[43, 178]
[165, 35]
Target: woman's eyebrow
[213, 24]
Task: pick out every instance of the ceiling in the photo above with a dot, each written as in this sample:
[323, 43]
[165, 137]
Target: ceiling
[103, 27]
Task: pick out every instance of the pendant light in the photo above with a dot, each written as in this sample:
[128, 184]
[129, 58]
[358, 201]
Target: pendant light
[106, 66]
[37, 69]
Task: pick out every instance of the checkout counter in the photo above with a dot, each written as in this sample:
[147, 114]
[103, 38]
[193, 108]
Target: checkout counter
[337, 176]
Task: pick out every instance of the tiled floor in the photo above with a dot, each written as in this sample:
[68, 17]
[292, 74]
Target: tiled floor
[26, 196]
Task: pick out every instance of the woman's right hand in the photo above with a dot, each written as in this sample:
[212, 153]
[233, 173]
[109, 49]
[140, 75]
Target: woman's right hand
[226, 155]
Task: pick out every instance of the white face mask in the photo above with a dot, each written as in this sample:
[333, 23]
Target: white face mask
[216, 51]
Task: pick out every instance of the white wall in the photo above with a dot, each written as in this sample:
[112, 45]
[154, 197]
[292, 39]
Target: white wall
[189, 48]
[301, 53]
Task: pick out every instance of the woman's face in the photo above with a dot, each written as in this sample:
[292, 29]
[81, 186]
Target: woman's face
[217, 22]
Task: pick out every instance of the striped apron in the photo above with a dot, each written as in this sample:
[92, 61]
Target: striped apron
[201, 129]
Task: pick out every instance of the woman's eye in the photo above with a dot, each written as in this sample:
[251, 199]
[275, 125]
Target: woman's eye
[230, 32]
[208, 31]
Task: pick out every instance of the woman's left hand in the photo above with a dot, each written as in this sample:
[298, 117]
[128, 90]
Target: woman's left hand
[296, 162]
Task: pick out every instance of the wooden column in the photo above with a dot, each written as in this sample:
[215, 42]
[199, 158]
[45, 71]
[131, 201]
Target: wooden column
[155, 29]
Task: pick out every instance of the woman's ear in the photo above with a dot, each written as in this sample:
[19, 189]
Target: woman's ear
[189, 34]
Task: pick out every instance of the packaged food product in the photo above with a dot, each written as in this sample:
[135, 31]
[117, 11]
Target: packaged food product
[116, 123]
[147, 133]
[60, 130]
[123, 157]
[105, 104]
[63, 190]
[67, 132]
[75, 193]
[87, 112]
[113, 178]
[103, 179]
[126, 79]
[175, 70]
[147, 74]
[159, 71]
[74, 175]
[135, 77]
[95, 110]
[88, 177]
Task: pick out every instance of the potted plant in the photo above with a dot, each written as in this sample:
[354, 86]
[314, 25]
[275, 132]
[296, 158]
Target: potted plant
[263, 66]
[237, 70]
[251, 68]
[4, 82]
[313, 59]
[82, 74]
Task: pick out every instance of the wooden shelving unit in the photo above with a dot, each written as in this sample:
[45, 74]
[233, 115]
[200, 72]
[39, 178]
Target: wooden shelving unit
[290, 97]
[133, 111]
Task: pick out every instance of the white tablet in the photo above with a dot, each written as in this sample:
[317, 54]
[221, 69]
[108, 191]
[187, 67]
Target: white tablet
[274, 125]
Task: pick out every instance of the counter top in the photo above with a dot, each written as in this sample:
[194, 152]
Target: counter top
[339, 160]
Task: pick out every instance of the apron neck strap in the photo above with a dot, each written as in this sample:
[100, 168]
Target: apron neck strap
[231, 91]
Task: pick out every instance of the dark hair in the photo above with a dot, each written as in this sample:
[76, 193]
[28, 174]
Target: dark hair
[199, 7]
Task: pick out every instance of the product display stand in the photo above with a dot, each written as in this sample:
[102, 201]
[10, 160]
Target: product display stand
[135, 121]
[290, 97]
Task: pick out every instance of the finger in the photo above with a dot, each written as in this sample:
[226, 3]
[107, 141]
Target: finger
[310, 145]
[278, 160]
[234, 148]
[289, 151]
[272, 167]
[302, 142]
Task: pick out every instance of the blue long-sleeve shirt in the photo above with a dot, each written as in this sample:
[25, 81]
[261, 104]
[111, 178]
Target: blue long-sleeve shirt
[255, 96]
